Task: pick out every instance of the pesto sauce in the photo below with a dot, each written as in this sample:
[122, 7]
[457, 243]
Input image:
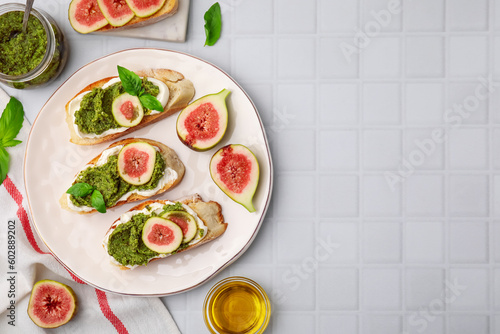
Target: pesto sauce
[107, 180]
[21, 52]
[95, 116]
[125, 243]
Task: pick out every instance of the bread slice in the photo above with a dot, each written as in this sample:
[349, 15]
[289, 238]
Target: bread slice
[168, 154]
[181, 91]
[169, 8]
[209, 212]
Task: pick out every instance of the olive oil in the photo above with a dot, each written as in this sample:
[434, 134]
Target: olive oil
[237, 305]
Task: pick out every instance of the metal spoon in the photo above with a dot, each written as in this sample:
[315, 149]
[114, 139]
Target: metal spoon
[29, 5]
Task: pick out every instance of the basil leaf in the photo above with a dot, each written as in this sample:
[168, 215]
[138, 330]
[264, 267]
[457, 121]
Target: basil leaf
[98, 201]
[11, 143]
[150, 102]
[213, 24]
[130, 81]
[80, 189]
[4, 164]
[11, 120]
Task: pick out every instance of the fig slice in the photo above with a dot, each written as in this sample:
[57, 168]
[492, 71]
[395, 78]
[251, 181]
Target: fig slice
[127, 110]
[145, 8]
[85, 16]
[52, 304]
[136, 162]
[235, 170]
[186, 222]
[203, 123]
[116, 12]
[161, 235]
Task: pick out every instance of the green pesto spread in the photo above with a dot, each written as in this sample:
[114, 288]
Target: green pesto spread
[95, 116]
[21, 52]
[125, 243]
[106, 179]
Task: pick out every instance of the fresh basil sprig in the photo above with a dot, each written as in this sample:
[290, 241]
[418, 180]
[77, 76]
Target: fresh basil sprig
[11, 122]
[213, 24]
[83, 189]
[132, 84]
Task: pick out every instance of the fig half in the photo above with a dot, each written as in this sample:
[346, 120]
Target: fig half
[186, 222]
[161, 235]
[136, 162]
[127, 110]
[203, 123]
[235, 170]
[52, 304]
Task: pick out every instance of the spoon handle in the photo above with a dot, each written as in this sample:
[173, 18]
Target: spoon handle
[27, 10]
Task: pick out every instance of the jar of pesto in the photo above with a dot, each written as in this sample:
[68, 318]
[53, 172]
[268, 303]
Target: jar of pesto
[33, 58]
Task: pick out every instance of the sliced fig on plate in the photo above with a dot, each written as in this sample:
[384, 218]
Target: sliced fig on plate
[85, 16]
[203, 123]
[161, 235]
[116, 12]
[186, 222]
[136, 162]
[235, 170]
[52, 304]
[145, 8]
[127, 110]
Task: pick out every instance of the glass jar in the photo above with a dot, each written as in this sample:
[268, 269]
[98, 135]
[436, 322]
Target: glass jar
[53, 60]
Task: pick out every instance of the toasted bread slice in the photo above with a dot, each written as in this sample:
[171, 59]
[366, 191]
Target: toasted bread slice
[209, 212]
[171, 160]
[181, 91]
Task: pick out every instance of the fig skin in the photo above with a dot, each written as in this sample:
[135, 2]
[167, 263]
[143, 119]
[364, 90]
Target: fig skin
[32, 303]
[149, 164]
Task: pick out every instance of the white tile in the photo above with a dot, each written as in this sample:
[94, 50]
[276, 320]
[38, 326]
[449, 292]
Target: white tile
[381, 104]
[341, 323]
[496, 240]
[338, 150]
[496, 194]
[381, 289]
[496, 18]
[496, 58]
[382, 58]
[468, 242]
[262, 97]
[334, 59]
[342, 199]
[338, 288]
[294, 58]
[468, 56]
[424, 15]
[496, 148]
[244, 17]
[287, 186]
[289, 110]
[293, 323]
[470, 289]
[425, 57]
[381, 149]
[424, 103]
[495, 100]
[468, 195]
[424, 149]
[294, 17]
[376, 324]
[302, 141]
[469, 324]
[218, 54]
[379, 198]
[496, 288]
[467, 103]
[424, 195]
[468, 148]
[338, 104]
[424, 242]
[295, 284]
[337, 16]
[381, 16]
[420, 322]
[249, 60]
[381, 242]
[259, 252]
[496, 324]
[423, 286]
[286, 245]
[467, 15]
[338, 242]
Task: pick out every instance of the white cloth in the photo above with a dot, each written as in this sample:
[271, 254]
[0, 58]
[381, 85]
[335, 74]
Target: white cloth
[98, 312]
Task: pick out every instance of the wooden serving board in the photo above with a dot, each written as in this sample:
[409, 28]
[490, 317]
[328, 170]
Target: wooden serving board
[172, 29]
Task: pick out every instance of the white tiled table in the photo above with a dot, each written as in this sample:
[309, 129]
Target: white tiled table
[347, 246]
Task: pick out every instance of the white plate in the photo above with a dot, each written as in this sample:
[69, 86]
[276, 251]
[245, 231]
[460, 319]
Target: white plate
[51, 163]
